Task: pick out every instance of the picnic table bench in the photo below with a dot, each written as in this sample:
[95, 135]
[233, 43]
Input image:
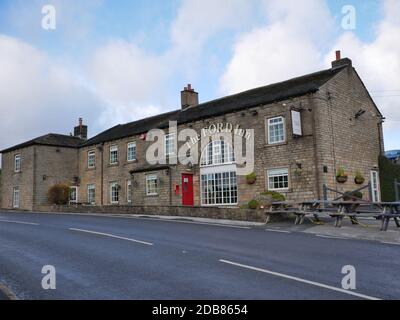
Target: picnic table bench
[339, 210]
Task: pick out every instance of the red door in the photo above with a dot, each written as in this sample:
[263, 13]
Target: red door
[187, 190]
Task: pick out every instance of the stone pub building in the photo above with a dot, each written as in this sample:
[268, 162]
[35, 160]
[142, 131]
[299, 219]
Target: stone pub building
[305, 130]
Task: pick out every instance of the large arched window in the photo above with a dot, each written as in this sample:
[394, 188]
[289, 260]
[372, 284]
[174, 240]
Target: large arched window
[218, 174]
[217, 152]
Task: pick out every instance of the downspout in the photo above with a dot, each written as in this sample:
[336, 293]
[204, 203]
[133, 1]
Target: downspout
[314, 133]
[170, 186]
[34, 179]
[102, 174]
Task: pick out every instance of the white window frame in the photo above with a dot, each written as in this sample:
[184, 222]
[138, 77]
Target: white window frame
[129, 192]
[76, 194]
[91, 155]
[213, 155]
[113, 149]
[16, 197]
[170, 139]
[221, 172]
[89, 188]
[17, 163]
[269, 125]
[131, 145]
[277, 172]
[375, 186]
[151, 177]
[112, 186]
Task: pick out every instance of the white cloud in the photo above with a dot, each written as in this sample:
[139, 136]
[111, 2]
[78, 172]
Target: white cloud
[294, 42]
[38, 96]
[378, 63]
[287, 46]
[129, 80]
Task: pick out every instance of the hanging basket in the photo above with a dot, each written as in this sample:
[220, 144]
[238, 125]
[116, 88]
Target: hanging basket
[359, 180]
[341, 179]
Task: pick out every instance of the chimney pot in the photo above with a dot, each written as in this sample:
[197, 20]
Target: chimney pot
[341, 62]
[81, 130]
[189, 97]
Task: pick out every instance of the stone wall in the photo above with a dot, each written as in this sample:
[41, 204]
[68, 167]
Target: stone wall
[22, 179]
[201, 212]
[343, 140]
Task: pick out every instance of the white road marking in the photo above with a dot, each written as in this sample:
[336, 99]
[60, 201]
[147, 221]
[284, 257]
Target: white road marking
[277, 230]
[20, 222]
[331, 237]
[394, 243]
[313, 283]
[111, 236]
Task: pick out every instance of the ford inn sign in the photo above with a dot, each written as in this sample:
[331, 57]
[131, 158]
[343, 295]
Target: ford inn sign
[292, 137]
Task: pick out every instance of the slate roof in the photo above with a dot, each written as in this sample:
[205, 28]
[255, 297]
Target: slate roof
[51, 139]
[267, 94]
[263, 95]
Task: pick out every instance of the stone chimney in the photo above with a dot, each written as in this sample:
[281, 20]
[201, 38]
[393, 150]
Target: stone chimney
[189, 97]
[341, 62]
[81, 130]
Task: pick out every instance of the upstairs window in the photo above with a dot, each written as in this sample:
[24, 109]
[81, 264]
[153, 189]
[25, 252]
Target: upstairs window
[169, 144]
[131, 151]
[17, 163]
[113, 154]
[276, 130]
[91, 159]
[216, 153]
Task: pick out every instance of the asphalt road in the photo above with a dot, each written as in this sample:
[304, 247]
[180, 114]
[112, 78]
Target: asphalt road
[139, 258]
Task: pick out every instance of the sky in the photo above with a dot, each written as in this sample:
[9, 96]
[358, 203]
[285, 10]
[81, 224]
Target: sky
[117, 61]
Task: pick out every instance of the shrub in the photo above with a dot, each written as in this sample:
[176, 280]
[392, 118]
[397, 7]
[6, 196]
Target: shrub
[251, 178]
[253, 204]
[352, 195]
[59, 194]
[276, 196]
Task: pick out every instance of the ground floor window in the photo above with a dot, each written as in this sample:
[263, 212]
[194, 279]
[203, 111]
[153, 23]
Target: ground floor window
[129, 191]
[151, 185]
[91, 194]
[114, 192]
[219, 188]
[15, 197]
[73, 196]
[278, 179]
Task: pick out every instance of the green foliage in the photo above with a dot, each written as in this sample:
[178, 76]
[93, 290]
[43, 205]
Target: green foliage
[59, 194]
[253, 204]
[276, 196]
[341, 172]
[251, 177]
[388, 171]
[352, 195]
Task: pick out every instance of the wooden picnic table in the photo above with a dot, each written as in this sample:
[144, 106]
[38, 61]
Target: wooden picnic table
[390, 210]
[339, 210]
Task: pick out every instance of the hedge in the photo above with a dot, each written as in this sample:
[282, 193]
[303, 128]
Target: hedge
[388, 171]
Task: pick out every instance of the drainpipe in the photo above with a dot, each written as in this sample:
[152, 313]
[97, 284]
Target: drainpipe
[314, 133]
[170, 186]
[102, 174]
